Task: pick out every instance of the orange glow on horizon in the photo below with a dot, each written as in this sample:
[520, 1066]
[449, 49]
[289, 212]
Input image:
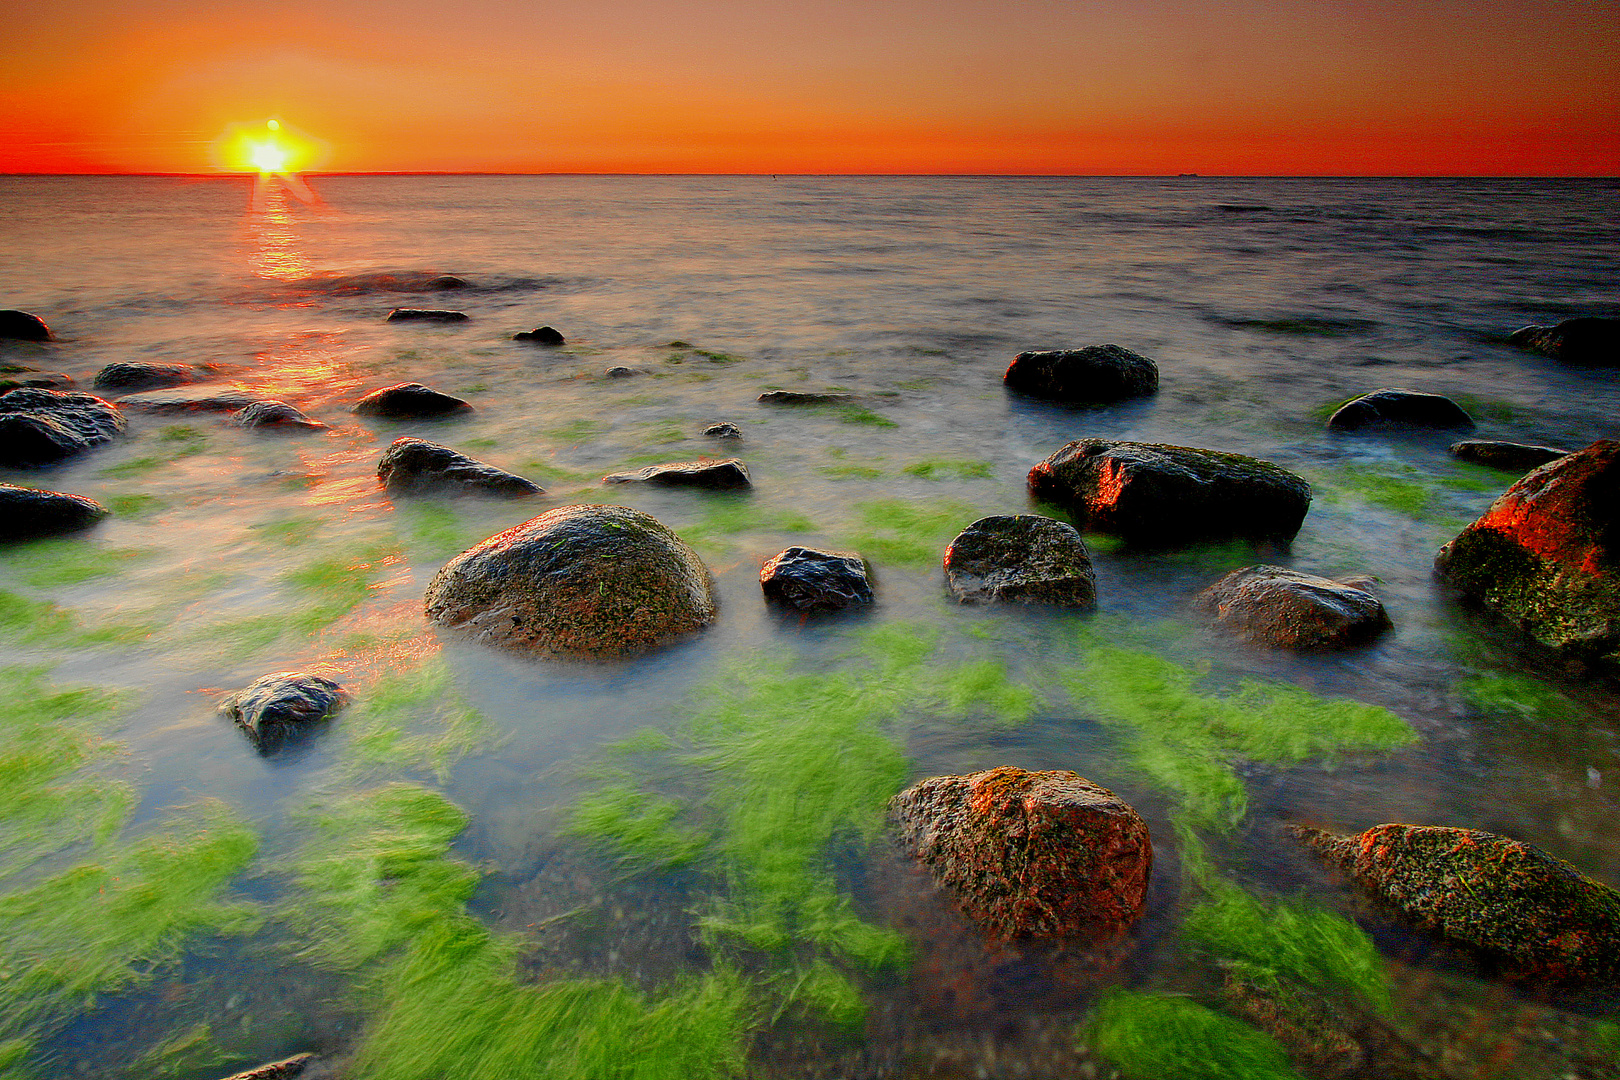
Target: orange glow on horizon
[269, 148]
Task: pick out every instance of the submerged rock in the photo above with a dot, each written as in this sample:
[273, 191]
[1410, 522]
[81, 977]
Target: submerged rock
[1534, 914]
[723, 430]
[1587, 341]
[27, 512]
[540, 335]
[1151, 493]
[1391, 408]
[134, 376]
[1510, 456]
[1546, 555]
[810, 579]
[621, 372]
[285, 1069]
[41, 427]
[273, 414]
[409, 401]
[195, 399]
[21, 326]
[1094, 375]
[799, 397]
[722, 474]
[577, 581]
[1271, 605]
[279, 706]
[438, 315]
[1021, 558]
[418, 467]
[12, 376]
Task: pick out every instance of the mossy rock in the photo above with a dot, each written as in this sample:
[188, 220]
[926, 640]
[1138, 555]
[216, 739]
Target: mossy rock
[1021, 558]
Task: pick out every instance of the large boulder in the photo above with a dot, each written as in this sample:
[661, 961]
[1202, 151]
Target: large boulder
[1095, 375]
[26, 512]
[809, 579]
[577, 581]
[1508, 456]
[1150, 493]
[281, 706]
[1536, 915]
[21, 326]
[409, 401]
[418, 467]
[1021, 558]
[1587, 341]
[1271, 605]
[130, 377]
[1390, 408]
[723, 474]
[274, 414]
[1546, 555]
[41, 427]
[1030, 853]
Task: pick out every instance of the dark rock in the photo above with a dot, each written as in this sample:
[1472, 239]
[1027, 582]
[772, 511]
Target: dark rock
[195, 399]
[278, 1070]
[725, 473]
[621, 372]
[1509, 456]
[723, 430]
[21, 326]
[281, 705]
[1587, 341]
[1537, 916]
[1399, 408]
[795, 397]
[1021, 558]
[133, 377]
[273, 414]
[408, 401]
[577, 581]
[40, 427]
[1095, 375]
[437, 315]
[1150, 493]
[444, 283]
[1270, 605]
[540, 335]
[1546, 555]
[418, 467]
[813, 580]
[25, 512]
[1030, 853]
[12, 377]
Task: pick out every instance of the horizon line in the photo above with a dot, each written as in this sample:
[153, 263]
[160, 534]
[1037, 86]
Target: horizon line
[232, 175]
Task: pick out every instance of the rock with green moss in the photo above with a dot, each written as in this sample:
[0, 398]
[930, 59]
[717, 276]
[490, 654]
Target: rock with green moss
[1152, 493]
[1094, 375]
[1286, 609]
[577, 582]
[418, 467]
[1025, 854]
[1021, 559]
[1587, 341]
[1393, 408]
[1510, 456]
[42, 427]
[1535, 915]
[27, 512]
[1546, 555]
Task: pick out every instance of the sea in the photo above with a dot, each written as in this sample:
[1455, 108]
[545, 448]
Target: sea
[491, 866]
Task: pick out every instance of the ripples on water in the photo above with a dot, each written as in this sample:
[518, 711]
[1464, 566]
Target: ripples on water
[246, 907]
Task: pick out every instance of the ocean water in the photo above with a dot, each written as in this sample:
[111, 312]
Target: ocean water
[493, 866]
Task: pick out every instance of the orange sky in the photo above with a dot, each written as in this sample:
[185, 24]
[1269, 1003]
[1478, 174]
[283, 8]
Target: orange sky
[1036, 86]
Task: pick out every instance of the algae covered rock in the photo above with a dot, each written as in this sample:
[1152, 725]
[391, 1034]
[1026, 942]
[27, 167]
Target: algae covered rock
[1392, 408]
[1022, 559]
[578, 581]
[409, 401]
[1286, 609]
[1587, 341]
[418, 467]
[1536, 915]
[281, 705]
[1151, 493]
[810, 579]
[1095, 375]
[802, 397]
[1546, 555]
[1511, 456]
[1030, 853]
[720, 475]
[41, 427]
[22, 326]
[27, 512]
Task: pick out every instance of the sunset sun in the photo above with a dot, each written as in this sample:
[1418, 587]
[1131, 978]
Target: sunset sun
[267, 147]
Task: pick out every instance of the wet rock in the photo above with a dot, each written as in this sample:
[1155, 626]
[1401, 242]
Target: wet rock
[722, 474]
[540, 335]
[408, 401]
[21, 326]
[12, 377]
[435, 315]
[418, 467]
[1021, 558]
[1271, 605]
[1391, 408]
[1537, 916]
[1095, 375]
[273, 414]
[190, 399]
[278, 1070]
[133, 377]
[1546, 555]
[810, 579]
[1509, 456]
[1314, 1031]
[723, 430]
[26, 512]
[444, 283]
[577, 581]
[1029, 853]
[1151, 493]
[1587, 341]
[281, 705]
[40, 427]
[797, 397]
[621, 372]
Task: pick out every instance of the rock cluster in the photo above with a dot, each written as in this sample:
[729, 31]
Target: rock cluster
[809, 579]
[1095, 375]
[1286, 609]
[1021, 558]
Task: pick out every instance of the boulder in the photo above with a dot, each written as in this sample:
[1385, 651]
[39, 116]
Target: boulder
[540, 335]
[1150, 493]
[1021, 558]
[1391, 408]
[418, 467]
[191, 399]
[436, 315]
[1095, 375]
[273, 414]
[1546, 555]
[810, 579]
[1587, 341]
[797, 397]
[1029, 853]
[723, 430]
[282, 705]
[1508, 456]
[577, 581]
[1271, 605]
[26, 512]
[21, 326]
[409, 401]
[41, 427]
[721, 474]
[128, 378]
[1535, 915]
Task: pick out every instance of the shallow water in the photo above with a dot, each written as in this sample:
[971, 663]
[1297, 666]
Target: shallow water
[235, 553]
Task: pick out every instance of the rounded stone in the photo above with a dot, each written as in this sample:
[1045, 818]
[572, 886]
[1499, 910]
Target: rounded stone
[276, 706]
[725, 429]
[1272, 605]
[1390, 408]
[28, 512]
[273, 414]
[540, 335]
[41, 427]
[416, 467]
[436, 315]
[810, 579]
[130, 377]
[22, 326]
[409, 401]
[721, 475]
[1021, 558]
[1509, 456]
[1094, 375]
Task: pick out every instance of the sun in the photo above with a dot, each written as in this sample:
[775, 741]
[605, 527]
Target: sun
[267, 147]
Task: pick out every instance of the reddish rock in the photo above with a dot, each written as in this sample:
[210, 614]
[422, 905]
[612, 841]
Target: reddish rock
[1271, 605]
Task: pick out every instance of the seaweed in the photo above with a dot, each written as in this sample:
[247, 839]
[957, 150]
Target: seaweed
[957, 469]
[1155, 1036]
[53, 563]
[910, 533]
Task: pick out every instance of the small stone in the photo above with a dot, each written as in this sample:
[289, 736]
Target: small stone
[408, 401]
[41, 427]
[621, 372]
[540, 335]
[1094, 375]
[723, 430]
[1021, 558]
[131, 377]
[722, 474]
[1587, 341]
[273, 414]
[418, 467]
[436, 315]
[21, 326]
[281, 705]
[1508, 456]
[1390, 408]
[810, 579]
[797, 397]
[26, 512]
[1272, 605]
[285, 1069]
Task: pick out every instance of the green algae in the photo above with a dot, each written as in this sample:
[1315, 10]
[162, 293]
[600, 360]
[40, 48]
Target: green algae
[436, 528]
[289, 532]
[636, 826]
[986, 685]
[27, 621]
[575, 430]
[1428, 496]
[1155, 1036]
[175, 441]
[950, 469]
[727, 517]
[851, 472]
[46, 564]
[323, 591]
[910, 533]
[186, 1054]
[136, 506]
[546, 471]
[1489, 408]
[860, 414]
[413, 717]
[1516, 696]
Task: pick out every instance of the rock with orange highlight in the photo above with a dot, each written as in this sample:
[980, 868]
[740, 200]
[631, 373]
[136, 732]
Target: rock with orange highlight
[1027, 854]
[1546, 555]
[1535, 915]
[23, 326]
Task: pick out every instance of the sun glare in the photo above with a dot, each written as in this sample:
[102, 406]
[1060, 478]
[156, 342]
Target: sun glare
[268, 147]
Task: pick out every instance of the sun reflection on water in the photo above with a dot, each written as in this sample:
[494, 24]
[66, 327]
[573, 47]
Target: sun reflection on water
[275, 247]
